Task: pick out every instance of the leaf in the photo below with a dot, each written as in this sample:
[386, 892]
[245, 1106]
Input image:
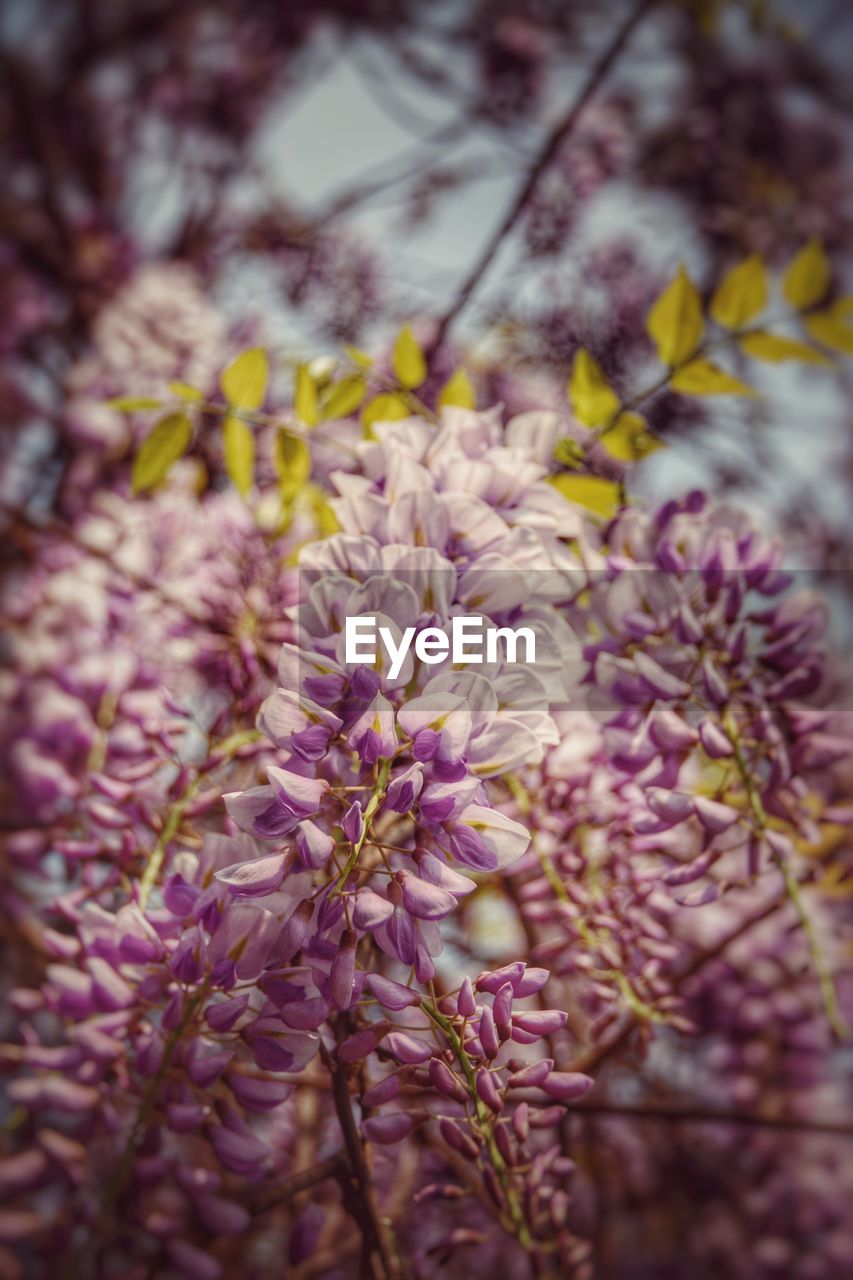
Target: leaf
[843, 308]
[829, 329]
[775, 348]
[244, 381]
[133, 404]
[593, 400]
[702, 378]
[458, 390]
[292, 460]
[807, 278]
[629, 439]
[305, 397]
[292, 457]
[167, 441]
[327, 521]
[345, 397]
[594, 492]
[239, 446]
[408, 360]
[569, 452]
[741, 295]
[358, 357]
[384, 408]
[675, 321]
[185, 391]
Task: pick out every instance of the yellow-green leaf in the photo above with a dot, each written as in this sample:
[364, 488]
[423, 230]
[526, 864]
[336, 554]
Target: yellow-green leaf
[675, 321]
[843, 308]
[458, 390]
[327, 521]
[185, 391]
[408, 360]
[239, 446]
[741, 295]
[359, 357]
[345, 396]
[702, 378]
[807, 278]
[829, 329]
[776, 348]
[167, 441]
[134, 404]
[384, 408]
[593, 492]
[292, 463]
[244, 381]
[629, 439]
[569, 452]
[593, 400]
[305, 397]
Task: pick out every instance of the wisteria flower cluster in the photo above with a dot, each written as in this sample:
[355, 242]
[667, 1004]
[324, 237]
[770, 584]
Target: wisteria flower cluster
[267, 1014]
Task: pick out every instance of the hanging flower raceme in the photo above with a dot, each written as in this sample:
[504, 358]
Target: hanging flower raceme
[711, 681]
[385, 789]
[490, 1107]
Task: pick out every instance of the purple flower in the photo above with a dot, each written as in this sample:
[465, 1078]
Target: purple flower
[486, 839]
[404, 789]
[254, 879]
[353, 823]
[373, 736]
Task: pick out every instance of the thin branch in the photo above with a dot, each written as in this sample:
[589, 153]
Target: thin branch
[547, 154]
[359, 1195]
[334, 1166]
[708, 1115]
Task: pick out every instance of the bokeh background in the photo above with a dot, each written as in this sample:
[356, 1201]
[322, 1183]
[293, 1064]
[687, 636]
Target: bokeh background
[325, 172]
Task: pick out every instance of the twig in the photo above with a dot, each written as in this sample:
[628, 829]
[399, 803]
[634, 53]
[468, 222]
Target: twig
[708, 1115]
[380, 1256]
[549, 150]
[333, 1166]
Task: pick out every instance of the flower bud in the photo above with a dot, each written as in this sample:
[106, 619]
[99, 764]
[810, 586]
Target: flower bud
[488, 1034]
[465, 1003]
[391, 1127]
[362, 1044]
[457, 1139]
[539, 1022]
[502, 1010]
[407, 1049]
[521, 1121]
[567, 1085]
[445, 1082]
[504, 1144]
[383, 1091]
[532, 1075]
[487, 1089]
[391, 995]
[343, 971]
